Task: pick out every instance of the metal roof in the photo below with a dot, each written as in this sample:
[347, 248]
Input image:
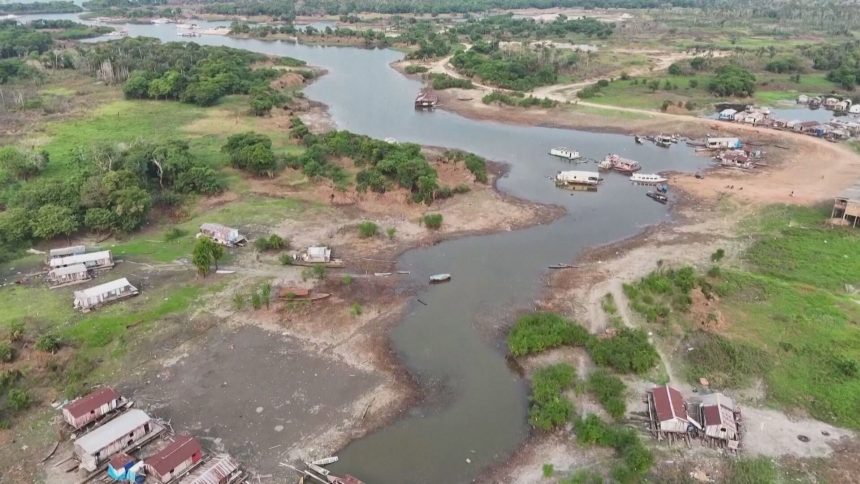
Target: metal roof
[112, 431]
[668, 403]
[64, 251]
[103, 288]
[851, 193]
[72, 269]
[175, 453]
[80, 258]
[94, 400]
[212, 472]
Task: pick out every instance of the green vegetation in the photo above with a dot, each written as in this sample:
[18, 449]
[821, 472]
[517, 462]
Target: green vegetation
[355, 310]
[607, 303]
[53, 6]
[537, 332]
[521, 71]
[506, 26]
[749, 470]
[732, 80]
[367, 229]
[550, 409]
[474, 163]
[548, 470]
[48, 343]
[444, 81]
[609, 391]
[251, 152]
[726, 363]
[628, 351]
[415, 69]
[432, 221]
[636, 459]
[661, 292]
[206, 252]
[271, 243]
[517, 99]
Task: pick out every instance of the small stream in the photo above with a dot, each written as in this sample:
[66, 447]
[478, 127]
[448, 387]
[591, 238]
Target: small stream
[476, 412]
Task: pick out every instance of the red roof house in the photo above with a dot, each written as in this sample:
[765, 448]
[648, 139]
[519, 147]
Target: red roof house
[91, 407]
[173, 459]
[670, 410]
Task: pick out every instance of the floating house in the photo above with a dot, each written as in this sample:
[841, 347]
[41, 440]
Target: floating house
[92, 407]
[719, 419]
[804, 126]
[846, 206]
[174, 459]
[317, 254]
[93, 297]
[66, 251]
[127, 430]
[123, 467]
[855, 109]
[843, 105]
[723, 143]
[830, 102]
[754, 118]
[802, 99]
[223, 235]
[578, 178]
[727, 114]
[93, 260]
[221, 469]
[668, 413]
[72, 274]
[426, 99]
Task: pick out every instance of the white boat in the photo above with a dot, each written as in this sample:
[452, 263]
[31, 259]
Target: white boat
[565, 153]
[647, 178]
[590, 178]
[437, 278]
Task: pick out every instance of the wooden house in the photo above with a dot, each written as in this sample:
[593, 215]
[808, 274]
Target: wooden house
[723, 143]
[755, 118]
[727, 114]
[802, 99]
[221, 469]
[668, 413]
[72, 274]
[66, 251]
[846, 206]
[174, 459]
[804, 126]
[223, 235]
[92, 407]
[92, 260]
[127, 430]
[719, 419]
[854, 109]
[93, 297]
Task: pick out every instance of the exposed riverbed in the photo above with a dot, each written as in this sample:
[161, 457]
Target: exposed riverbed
[475, 413]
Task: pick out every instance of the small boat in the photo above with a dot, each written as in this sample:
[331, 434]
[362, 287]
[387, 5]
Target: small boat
[565, 153]
[437, 278]
[637, 139]
[664, 141]
[647, 178]
[426, 99]
[325, 461]
[562, 266]
[657, 197]
[575, 177]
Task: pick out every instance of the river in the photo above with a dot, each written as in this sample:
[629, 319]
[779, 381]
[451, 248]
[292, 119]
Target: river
[476, 411]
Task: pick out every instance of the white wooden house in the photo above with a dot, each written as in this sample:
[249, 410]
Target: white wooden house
[72, 274]
[124, 431]
[223, 235]
[93, 297]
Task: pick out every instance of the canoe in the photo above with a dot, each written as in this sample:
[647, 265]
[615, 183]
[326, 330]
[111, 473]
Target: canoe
[437, 278]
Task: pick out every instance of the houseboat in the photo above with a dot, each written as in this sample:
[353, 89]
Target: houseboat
[220, 469]
[577, 178]
[619, 164]
[223, 235]
[317, 255]
[664, 141]
[88, 299]
[73, 274]
[132, 428]
[565, 153]
[174, 459]
[92, 407]
[647, 178]
[66, 251]
[437, 278]
[426, 99]
[92, 260]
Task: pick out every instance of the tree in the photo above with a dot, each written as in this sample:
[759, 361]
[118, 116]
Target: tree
[252, 152]
[130, 206]
[15, 225]
[99, 219]
[53, 220]
[732, 80]
[137, 85]
[201, 255]
[22, 165]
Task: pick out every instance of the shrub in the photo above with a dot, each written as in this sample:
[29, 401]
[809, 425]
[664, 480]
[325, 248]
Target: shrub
[48, 343]
[726, 363]
[18, 399]
[272, 242]
[548, 470]
[609, 391]
[7, 353]
[550, 409]
[628, 351]
[432, 221]
[415, 69]
[444, 81]
[390, 231]
[256, 300]
[477, 166]
[541, 331]
[636, 458]
[367, 229]
[718, 255]
[317, 271]
[355, 310]
[286, 259]
[16, 331]
[174, 233]
[346, 279]
[239, 301]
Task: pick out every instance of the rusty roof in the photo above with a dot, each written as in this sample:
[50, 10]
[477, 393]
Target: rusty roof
[177, 452]
[94, 400]
[121, 460]
[711, 415]
[668, 403]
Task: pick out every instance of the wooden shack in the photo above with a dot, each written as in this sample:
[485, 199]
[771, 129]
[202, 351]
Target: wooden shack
[66, 251]
[719, 419]
[92, 260]
[221, 469]
[88, 299]
[668, 413]
[223, 235]
[426, 99]
[72, 274]
[127, 430]
[846, 206]
[174, 459]
[723, 143]
[92, 407]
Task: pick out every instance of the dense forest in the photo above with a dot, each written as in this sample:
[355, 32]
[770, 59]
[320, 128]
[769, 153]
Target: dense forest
[55, 6]
[842, 62]
[502, 27]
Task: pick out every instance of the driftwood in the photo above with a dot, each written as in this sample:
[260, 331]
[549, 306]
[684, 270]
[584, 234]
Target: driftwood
[56, 444]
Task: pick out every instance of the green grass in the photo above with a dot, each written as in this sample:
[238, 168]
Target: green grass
[608, 112]
[752, 470]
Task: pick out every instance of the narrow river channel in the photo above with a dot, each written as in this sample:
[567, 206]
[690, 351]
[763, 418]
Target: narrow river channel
[476, 412]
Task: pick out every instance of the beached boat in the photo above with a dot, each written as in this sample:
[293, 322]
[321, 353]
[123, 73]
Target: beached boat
[575, 177]
[637, 139]
[619, 164]
[664, 141]
[657, 197]
[647, 178]
[565, 153]
[426, 99]
[437, 278]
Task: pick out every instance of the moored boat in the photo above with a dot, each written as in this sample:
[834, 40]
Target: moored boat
[619, 164]
[576, 177]
[657, 197]
[437, 278]
[426, 99]
[647, 178]
[565, 153]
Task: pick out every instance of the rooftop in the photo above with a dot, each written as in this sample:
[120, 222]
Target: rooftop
[668, 403]
[80, 258]
[103, 288]
[110, 432]
[851, 193]
[94, 400]
[72, 269]
[173, 454]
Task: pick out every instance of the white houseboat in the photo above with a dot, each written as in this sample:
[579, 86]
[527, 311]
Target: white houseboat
[578, 178]
[647, 178]
[565, 153]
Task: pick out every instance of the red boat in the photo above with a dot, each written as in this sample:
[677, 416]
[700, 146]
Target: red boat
[619, 164]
